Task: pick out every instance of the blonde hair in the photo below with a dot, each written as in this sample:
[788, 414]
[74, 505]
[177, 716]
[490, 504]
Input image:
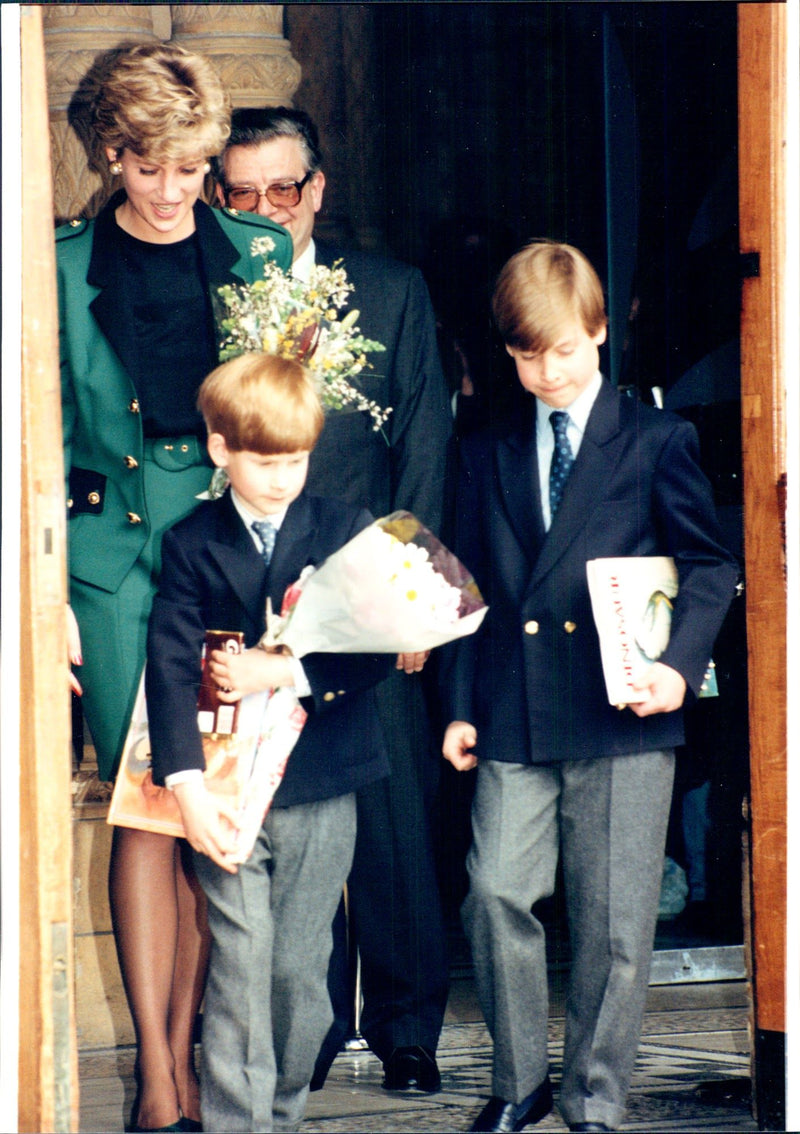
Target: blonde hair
[263, 404]
[542, 287]
[163, 103]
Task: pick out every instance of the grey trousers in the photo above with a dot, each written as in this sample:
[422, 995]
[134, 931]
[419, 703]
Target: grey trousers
[609, 818]
[267, 1008]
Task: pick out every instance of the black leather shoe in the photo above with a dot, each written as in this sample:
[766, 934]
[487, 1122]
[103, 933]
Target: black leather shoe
[501, 1115]
[411, 1067]
[598, 1127]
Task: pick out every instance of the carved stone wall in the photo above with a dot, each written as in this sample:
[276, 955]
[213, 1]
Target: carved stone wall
[244, 41]
[335, 45]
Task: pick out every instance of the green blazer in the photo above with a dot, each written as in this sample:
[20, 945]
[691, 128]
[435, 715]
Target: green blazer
[103, 441]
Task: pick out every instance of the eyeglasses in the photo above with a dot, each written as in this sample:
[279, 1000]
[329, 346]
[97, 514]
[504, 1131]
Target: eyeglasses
[283, 193]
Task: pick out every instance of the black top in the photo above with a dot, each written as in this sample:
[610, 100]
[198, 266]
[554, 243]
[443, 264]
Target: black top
[174, 331]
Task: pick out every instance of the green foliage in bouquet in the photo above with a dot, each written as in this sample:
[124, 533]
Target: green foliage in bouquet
[285, 316]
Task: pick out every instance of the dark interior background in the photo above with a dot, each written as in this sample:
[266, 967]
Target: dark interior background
[455, 131]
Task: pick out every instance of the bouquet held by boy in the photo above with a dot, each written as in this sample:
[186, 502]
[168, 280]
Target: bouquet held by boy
[393, 588]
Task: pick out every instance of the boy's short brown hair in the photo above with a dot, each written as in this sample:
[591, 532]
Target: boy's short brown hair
[540, 288]
[263, 404]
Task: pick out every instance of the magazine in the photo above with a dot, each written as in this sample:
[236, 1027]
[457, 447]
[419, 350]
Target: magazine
[246, 766]
[632, 600]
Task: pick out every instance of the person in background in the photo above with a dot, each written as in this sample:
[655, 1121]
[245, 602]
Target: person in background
[267, 1007]
[137, 337]
[272, 165]
[586, 474]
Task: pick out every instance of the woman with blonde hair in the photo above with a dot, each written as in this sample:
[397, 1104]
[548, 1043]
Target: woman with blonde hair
[137, 337]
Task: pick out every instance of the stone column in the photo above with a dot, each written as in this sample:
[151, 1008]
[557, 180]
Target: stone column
[245, 43]
[336, 47]
[76, 36]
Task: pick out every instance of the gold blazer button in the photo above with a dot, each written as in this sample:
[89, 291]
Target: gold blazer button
[93, 497]
[131, 463]
[570, 627]
[531, 627]
[133, 518]
[329, 697]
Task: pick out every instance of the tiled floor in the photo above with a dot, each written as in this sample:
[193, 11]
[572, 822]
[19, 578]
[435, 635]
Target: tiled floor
[691, 1075]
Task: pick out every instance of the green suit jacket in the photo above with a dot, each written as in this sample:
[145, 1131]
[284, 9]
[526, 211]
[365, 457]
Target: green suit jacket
[103, 440]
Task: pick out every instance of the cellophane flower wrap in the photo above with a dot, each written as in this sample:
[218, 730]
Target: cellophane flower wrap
[288, 317]
[393, 588]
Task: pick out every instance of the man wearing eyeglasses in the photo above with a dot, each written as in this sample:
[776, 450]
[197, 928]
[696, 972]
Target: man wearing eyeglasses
[272, 166]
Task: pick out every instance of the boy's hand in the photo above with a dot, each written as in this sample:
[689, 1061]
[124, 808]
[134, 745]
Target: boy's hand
[248, 672]
[666, 689]
[459, 737]
[210, 823]
[412, 663]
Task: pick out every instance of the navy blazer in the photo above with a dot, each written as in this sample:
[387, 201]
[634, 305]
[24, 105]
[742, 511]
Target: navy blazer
[351, 460]
[531, 679]
[213, 577]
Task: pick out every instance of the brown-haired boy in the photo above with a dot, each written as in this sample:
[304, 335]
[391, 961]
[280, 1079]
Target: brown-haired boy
[267, 1008]
[560, 770]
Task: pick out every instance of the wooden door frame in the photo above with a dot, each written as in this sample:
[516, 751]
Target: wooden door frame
[762, 68]
[47, 1056]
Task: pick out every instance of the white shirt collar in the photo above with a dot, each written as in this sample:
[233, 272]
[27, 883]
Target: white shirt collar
[301, 268]
[579, 410]
[247, 516]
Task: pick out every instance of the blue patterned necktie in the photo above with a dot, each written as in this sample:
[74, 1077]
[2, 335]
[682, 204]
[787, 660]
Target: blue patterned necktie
[266, 532]
[562, 461]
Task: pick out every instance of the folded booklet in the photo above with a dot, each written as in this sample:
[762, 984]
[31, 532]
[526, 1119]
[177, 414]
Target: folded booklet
[632, 599]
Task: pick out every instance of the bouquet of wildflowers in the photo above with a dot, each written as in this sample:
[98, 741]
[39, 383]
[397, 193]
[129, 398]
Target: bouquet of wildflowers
[287, 317]
[393, 588]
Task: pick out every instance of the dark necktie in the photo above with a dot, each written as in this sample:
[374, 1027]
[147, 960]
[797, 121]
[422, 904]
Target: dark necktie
[562, 461]
[266, 532]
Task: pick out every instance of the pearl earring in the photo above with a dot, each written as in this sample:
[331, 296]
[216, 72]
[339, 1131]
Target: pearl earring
[206, 167]
[116, 168]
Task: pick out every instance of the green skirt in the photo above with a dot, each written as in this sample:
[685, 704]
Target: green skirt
[114, 626]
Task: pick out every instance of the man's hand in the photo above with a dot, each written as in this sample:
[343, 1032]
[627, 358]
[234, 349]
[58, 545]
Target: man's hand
[412, 663]
[210, 824]
[236, 675]
[666, 690]
[459, 737]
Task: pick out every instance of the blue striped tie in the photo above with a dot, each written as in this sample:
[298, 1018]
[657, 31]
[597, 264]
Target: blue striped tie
[562, 461]
[267, 533]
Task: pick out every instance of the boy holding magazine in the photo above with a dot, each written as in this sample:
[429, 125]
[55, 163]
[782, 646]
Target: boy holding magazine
[586, 474]
[267, 1008]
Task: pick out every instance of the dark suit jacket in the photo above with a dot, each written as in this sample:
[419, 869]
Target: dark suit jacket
[213, 577]
[103, 440]
[531, 680]
[350, 459]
